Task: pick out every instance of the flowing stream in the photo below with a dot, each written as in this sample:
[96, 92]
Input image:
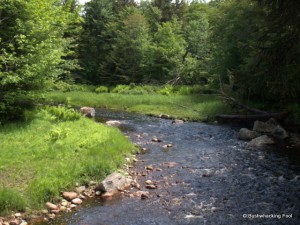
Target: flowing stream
[208, 176]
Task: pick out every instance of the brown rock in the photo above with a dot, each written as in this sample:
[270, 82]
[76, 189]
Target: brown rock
[51, 206]
[14, 222]
[69, 195]
[150, 167]
[77, 201]
[55, 211]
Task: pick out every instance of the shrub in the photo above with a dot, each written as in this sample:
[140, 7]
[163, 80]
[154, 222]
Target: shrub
[11, 200]
[61, 113]
[101, 89]
[167, 90]
[120, 88]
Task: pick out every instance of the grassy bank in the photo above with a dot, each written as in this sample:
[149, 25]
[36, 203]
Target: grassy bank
[52, 151]
[191, 107]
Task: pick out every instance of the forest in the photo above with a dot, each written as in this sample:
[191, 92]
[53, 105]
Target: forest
[250, 49]
[176, 59]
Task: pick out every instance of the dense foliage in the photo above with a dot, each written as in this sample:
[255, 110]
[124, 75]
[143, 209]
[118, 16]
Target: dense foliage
[34, 49]
[249, 47]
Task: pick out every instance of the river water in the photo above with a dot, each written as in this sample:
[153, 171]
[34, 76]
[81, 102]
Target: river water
[207, 177]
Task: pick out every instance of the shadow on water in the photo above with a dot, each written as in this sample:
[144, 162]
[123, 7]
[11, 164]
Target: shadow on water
[207, 177]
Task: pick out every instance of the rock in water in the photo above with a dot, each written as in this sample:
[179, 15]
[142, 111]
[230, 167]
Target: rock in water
[113, 182]
[88, 111]
[261, 141]
[247, 135]
[113, 123]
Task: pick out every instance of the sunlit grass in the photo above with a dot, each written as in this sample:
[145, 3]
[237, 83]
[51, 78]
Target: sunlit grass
[193, 107]
[40, 158]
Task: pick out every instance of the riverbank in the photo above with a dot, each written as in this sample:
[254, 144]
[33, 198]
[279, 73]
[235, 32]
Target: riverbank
[187, 107]
[52, 151]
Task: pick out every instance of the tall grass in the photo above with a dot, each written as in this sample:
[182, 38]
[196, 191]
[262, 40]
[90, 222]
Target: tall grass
[51, 153]
[193, 107]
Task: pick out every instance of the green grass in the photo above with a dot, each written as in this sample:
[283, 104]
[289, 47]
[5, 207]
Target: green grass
[191, 107]
[51, 152]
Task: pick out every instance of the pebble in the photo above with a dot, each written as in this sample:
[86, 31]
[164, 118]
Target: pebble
[44, 211]
[98, 193]
[51, 206]
[51, 216]
[72, 206]
[156, 139]
[55, 211]
[69, 195]
[64, 203]
[148, 182]
[14, 222]
[91, 183]
[23, 223]
[18, 215]
[150, 167]
[77, 201]
[80, 189]
[151, 186]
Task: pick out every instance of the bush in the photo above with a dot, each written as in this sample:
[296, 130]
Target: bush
[11, 200]
[101, 89]
[120, 88]
[167, 90]
[61, 113]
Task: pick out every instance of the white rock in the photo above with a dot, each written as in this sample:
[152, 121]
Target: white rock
[77, 201]
[113, 123]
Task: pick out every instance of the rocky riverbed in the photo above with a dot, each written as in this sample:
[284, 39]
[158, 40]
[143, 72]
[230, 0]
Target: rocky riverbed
[195, 173]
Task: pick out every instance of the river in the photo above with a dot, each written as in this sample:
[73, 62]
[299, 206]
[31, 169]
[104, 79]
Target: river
[208, 176]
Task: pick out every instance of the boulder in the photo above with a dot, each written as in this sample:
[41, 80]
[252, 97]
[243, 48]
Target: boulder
[87, 111]
[280, 132]
[261, 141]
[246, 134]
[265, 127]
[113, 182]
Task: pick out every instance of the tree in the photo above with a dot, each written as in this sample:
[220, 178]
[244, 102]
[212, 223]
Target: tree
[167, 53]
[129, 52]
[32, 50]
[95, 43]
[196, 33]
